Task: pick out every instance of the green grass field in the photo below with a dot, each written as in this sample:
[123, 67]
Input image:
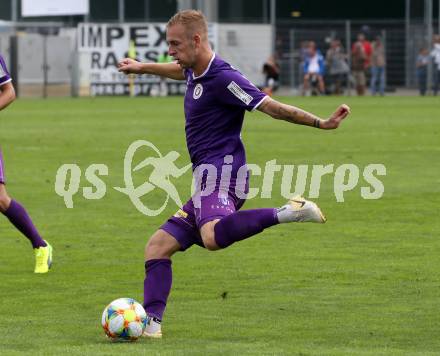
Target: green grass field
[365, 283]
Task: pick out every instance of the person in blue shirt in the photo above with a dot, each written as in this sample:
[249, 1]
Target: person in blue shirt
[314, 70]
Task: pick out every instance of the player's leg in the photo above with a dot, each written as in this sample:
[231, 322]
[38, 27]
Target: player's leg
[157, 283]
[19, 217]
[177, 234]
[5, 199]
[236, 226]
[240, 225]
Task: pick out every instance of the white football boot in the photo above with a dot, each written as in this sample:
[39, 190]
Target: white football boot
[299, 209]
[153, 329]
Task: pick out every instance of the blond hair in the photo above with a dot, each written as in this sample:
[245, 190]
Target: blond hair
[193, 20]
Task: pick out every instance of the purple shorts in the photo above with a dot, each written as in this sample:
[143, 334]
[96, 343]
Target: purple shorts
[184, 226]
[2, 170]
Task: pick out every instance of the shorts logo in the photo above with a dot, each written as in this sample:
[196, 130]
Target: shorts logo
[181, 214]
[198, 91]
[235, 89]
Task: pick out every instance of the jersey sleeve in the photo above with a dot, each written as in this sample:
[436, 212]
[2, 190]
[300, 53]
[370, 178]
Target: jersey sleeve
[236, 90]
[4, 74]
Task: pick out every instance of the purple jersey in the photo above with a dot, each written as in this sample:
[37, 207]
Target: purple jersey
[215, 103]
[4, 78]
[4, 74]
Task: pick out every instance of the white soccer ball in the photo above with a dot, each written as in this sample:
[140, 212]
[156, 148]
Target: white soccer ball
[124, 319]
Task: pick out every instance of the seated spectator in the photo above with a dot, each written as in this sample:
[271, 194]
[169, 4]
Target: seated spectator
[314, 68]
[271, 71]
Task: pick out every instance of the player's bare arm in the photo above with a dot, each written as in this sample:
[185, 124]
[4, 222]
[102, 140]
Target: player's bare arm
[7, 95]
[298, 116]
[169, 70]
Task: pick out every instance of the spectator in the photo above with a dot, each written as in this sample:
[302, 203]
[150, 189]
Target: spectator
[303, 50]
[435, 53]
[366, 45]
[377, 67]
[358, 67]
[361, 55]
[422, 70]
[337, 64]
[271, 71]
[314, 68]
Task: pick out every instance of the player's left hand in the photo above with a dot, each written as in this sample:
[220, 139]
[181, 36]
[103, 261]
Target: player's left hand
[335, 119]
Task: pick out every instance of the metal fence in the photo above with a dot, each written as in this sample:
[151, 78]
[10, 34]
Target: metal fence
[43, 56]
[401, 46]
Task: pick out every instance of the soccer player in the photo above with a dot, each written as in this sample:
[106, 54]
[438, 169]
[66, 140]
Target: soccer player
[216, 98]
[10, 208]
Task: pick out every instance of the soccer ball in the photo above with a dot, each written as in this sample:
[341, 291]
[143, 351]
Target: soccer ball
[124, 319]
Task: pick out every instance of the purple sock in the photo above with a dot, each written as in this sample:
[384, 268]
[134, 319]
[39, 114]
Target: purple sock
[157, 286]
[243, 224]
[18, 216]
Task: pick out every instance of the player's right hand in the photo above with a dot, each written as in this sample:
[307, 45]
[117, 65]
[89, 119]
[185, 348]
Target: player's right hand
[129, 65]
[335, 119]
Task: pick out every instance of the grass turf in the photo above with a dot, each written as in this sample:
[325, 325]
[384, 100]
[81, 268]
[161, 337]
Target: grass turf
[366, 283]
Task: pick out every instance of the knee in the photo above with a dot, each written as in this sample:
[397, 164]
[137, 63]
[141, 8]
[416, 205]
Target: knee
[161, 245]
[210, 243]
[208, 236]
[5, 200]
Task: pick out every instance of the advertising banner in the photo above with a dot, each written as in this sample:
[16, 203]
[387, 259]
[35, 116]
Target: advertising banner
[107, 44]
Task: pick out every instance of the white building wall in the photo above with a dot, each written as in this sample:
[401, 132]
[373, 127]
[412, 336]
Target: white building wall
[246, 47]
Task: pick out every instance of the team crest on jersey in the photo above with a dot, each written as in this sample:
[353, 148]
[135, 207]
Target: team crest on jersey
[198, 91]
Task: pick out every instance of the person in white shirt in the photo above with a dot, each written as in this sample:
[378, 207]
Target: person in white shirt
[435, 54]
